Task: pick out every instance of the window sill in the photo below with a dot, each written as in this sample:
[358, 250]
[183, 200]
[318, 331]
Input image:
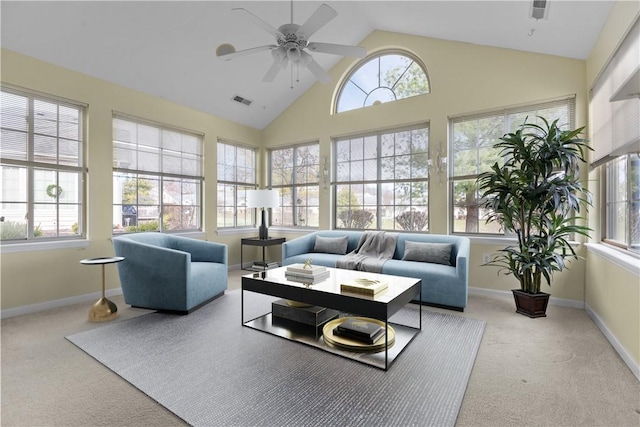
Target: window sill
[43, 246]
[235, 231]
[617, 256]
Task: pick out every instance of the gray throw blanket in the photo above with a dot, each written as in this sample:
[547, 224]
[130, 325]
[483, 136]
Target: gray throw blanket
[374, 249]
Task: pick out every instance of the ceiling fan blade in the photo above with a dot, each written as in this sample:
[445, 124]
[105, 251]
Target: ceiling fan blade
[272, 72]
[315, 68]
[259, 22]
[338, 49]
[239, 53]
[320, 17]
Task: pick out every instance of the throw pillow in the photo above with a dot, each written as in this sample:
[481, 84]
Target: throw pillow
[331, 245]
[437, 253]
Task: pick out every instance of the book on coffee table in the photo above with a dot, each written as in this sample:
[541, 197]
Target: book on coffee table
[307, 278]
[364, 286]
[359, 330]
[309, 270]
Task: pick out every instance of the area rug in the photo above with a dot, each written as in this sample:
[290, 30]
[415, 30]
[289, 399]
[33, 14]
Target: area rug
[210, 371]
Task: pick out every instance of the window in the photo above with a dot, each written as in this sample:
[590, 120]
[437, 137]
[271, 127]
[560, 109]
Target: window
[43, 170]
[386, 77]
[295, 174]
[472, 140]
[236, 175]
[622, 202]
[157, 177]
[614, 108]
[381, 180]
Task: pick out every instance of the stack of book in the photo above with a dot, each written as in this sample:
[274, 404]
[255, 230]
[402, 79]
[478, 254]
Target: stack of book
[359, 330]
[263, 265]
[364, 286]
[309, 274]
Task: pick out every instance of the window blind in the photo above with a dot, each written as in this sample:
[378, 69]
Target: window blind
[145, 147]
[614, 106]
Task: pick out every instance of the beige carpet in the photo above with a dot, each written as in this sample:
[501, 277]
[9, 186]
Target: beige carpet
[559, 370]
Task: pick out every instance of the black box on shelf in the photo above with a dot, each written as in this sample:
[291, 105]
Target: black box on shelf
[312, 316]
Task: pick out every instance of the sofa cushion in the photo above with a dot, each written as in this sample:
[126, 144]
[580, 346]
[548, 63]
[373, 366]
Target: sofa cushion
[331, 245]
[437, 253]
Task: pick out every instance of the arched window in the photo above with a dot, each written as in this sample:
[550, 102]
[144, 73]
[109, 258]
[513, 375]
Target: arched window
[387, 76]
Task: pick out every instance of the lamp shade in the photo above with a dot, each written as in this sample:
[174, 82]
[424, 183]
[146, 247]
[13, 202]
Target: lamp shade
[262, 199]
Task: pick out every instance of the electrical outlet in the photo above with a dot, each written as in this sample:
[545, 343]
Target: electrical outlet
[486, 258]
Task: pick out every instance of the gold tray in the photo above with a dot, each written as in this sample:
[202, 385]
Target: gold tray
[354, 345]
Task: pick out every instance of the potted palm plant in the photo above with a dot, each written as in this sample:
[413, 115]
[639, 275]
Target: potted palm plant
[537, 195]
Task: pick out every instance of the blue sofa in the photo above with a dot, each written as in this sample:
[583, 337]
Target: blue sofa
[442, 285]
[170, 273]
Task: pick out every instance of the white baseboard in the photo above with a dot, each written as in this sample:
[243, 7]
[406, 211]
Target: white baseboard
[626, 357]
[562, 302]
[34, 308]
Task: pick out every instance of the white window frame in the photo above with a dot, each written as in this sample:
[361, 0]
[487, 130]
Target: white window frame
[620, 227]
[531, 111]
[14, 157]
[418, 178]
[231, 185]
[297, 195]
[179, 162]
[382, 88]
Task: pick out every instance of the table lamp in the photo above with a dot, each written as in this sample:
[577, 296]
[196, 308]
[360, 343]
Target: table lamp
[263, 199]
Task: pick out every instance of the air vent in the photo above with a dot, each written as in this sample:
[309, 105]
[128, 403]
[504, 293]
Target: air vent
[539, 9]
[241, 100]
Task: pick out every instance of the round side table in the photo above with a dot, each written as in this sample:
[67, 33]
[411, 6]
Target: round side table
[103, 309]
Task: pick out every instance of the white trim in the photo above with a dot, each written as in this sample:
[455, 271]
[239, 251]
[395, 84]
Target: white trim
[10, 248]
[562, 302]
[619, 348]
[230, 231]
[616, 256]
[34, 308]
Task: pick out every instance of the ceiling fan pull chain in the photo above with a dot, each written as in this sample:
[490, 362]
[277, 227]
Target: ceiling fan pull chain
[291, 86]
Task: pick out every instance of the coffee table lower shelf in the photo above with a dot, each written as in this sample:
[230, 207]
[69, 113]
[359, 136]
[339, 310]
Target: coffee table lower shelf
[311, 336]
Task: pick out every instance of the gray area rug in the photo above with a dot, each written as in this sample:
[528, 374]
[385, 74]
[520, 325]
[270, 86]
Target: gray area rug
[210, 371]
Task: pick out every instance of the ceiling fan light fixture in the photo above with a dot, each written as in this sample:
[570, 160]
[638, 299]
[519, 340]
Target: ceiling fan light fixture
[293, 51]
[225, 49]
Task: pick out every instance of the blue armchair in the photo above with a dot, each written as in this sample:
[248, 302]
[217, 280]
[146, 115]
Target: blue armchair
[170, 273]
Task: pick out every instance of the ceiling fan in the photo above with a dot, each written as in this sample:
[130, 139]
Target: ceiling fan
[292, 43]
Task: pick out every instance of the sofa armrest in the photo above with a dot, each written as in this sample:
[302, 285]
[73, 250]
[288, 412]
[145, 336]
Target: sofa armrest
[300, 245]
[203, 251]
[462, 260]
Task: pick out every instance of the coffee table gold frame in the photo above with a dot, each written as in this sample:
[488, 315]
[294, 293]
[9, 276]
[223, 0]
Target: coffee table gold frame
[103, 309]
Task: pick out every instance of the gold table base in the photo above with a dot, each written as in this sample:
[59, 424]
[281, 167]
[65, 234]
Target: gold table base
[103, 310]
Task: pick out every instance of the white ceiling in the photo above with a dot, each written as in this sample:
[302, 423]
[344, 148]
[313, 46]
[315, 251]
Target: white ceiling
[167, 48]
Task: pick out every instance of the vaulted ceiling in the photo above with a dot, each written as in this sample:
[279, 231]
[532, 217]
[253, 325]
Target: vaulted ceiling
[168, 48]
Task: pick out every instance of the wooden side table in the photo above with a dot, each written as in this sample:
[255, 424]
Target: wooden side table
[103, 309]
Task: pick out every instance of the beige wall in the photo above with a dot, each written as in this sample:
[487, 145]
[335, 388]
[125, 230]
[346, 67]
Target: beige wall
[34, 277]
[618, 23]
[464, 78]
[612, 292]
